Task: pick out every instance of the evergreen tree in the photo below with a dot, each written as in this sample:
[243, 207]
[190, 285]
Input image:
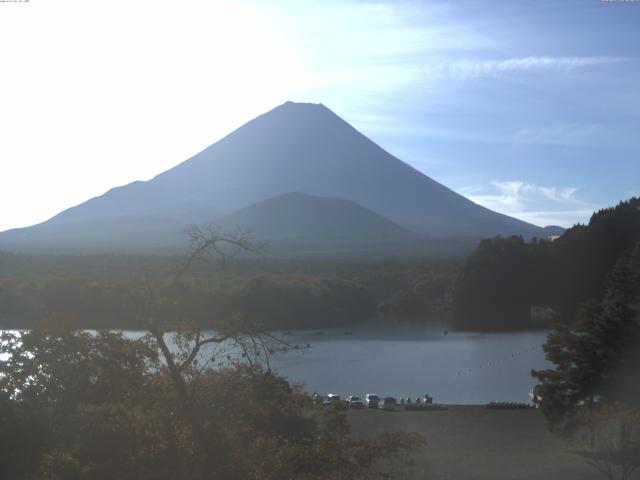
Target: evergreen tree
[491, 289]
[597, 359]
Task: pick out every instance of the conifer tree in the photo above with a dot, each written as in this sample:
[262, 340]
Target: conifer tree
[597, 359]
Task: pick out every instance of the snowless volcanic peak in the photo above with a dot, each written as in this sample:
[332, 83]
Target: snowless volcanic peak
[296, 147]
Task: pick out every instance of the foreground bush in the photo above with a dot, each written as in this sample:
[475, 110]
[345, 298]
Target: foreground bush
[81, 406]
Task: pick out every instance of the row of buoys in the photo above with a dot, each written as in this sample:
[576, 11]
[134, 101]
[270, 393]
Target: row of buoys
[491, 363]
[290, 347]
[509, 406]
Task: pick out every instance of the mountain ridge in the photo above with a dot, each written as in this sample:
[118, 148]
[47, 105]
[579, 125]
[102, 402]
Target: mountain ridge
[295, 147]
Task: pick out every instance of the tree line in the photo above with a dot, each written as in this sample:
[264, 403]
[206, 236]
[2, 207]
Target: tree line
[509, 283]
[105, 291]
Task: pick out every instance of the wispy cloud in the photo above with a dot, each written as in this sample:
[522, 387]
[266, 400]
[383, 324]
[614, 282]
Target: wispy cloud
[568, 134]
[538, 204]
[474, 68]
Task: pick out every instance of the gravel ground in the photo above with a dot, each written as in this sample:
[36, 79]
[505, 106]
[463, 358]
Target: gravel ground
[473, 443]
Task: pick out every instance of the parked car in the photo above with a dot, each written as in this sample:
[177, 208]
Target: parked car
[355, 402]
[371, 400]
[331, 398]
[387, 403]
[536, 396]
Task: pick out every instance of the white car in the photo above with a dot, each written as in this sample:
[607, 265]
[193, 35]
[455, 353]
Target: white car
[371, 400]
[331, 398]
[535, 396]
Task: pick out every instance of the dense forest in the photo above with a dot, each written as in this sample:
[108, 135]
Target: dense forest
[509, 283]
[109, 291]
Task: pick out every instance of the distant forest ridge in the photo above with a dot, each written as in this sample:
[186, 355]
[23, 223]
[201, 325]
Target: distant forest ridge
[109, 291]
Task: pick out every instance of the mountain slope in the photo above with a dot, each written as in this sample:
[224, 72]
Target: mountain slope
[303, 222]
[293, 148]
[307, 148]
[127, 233]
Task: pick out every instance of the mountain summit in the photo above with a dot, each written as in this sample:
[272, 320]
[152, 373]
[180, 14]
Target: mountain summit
[296, 147]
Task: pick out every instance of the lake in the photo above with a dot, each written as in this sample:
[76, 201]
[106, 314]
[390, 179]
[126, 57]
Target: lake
[410, 361]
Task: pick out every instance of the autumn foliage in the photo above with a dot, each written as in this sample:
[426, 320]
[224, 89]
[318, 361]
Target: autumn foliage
[75, 405]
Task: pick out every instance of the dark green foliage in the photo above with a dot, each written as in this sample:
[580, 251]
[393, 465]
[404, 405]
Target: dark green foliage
[23, 437]
[109, 291]
[423, 293]
[279, 301]
[505, 278]
[597, 358]
[94, 395]
[492, 287]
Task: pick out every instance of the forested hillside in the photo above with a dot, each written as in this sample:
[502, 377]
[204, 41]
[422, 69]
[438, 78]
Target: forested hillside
[597, 355]
[508, 283]
[101, 291]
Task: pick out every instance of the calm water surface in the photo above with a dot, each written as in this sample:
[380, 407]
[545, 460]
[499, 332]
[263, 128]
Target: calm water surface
[410, 361]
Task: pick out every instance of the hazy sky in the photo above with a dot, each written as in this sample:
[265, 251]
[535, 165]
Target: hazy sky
[531, 108]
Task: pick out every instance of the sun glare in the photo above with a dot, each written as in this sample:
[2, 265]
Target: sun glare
[165, 80]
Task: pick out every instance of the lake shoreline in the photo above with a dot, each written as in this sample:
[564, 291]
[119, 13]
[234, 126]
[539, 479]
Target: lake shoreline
[434, 321]
[403, 361]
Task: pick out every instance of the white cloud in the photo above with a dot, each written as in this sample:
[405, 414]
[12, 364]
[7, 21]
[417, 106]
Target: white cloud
[538, 204]
[467, 68]
[567, 218]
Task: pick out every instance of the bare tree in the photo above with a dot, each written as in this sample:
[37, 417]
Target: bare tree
[609, 441]
[251, 345]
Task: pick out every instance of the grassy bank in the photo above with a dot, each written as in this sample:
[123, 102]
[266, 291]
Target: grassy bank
[473, 443]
